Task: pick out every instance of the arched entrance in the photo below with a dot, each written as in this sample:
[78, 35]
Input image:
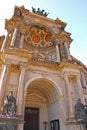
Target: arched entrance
[41, 104]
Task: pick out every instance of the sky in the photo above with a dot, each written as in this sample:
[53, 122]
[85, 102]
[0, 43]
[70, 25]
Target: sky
[72, 12]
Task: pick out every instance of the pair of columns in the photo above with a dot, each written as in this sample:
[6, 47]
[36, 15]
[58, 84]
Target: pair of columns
[15, 36]
[64, 51]
[69, 96]
[13, 39]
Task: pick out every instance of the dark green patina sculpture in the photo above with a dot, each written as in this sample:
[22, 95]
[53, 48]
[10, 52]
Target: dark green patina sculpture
[80, 112]
[9, 107]
[40, 12]
[7, 119]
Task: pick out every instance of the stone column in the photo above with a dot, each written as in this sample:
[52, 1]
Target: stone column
[62, 112]
[67, 51]
[5, 41]
[84, 85]
[20, 126]
[20, 94]
[80, 90]
[69, 98]
[14, 36]
[62, 52]
[57, 51]
[21, 41]
[20, 97]
[3, 79]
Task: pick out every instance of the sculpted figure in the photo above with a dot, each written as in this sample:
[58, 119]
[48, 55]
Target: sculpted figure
[79, 110]
[33, 10]
[9, 107]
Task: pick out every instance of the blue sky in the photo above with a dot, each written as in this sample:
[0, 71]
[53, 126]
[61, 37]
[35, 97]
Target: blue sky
[73, 12]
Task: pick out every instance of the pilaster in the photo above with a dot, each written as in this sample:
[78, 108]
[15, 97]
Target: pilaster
[69, 98]
[3, 81]
[20, 94]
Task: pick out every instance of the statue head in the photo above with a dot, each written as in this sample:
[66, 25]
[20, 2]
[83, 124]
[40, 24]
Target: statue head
[79, 100]
[11, 93]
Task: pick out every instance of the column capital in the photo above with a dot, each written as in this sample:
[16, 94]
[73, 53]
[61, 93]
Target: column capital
[23, 66]
[22, 32]
[8, 31]
[78, 77]
[56, 41]
[66, 75]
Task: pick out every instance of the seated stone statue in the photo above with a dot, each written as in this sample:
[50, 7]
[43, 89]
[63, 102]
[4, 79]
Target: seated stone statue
[9, 107]
[79, 110]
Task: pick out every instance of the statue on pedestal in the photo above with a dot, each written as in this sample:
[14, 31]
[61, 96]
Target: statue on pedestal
[9, 107]
[79, 110]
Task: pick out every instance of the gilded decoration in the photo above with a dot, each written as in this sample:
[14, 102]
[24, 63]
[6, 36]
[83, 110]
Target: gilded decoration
[64, 36]
[39, 36]
[15, 68]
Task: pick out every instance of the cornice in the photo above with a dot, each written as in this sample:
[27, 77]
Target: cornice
[26, 14]
[24, 55]
[76, 61]
[63, 37]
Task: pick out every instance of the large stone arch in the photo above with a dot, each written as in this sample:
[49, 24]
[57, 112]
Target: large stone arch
[45, 94]
[54, 85]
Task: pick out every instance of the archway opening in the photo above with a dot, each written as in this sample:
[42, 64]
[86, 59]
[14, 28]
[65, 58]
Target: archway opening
[42, 99]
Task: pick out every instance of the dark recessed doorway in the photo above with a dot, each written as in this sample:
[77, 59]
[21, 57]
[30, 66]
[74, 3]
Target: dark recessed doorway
[31, 119]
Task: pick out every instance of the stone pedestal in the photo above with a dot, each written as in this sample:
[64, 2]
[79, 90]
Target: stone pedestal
[10, 123]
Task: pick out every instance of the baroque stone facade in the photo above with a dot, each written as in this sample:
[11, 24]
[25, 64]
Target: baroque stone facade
[36, 64]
